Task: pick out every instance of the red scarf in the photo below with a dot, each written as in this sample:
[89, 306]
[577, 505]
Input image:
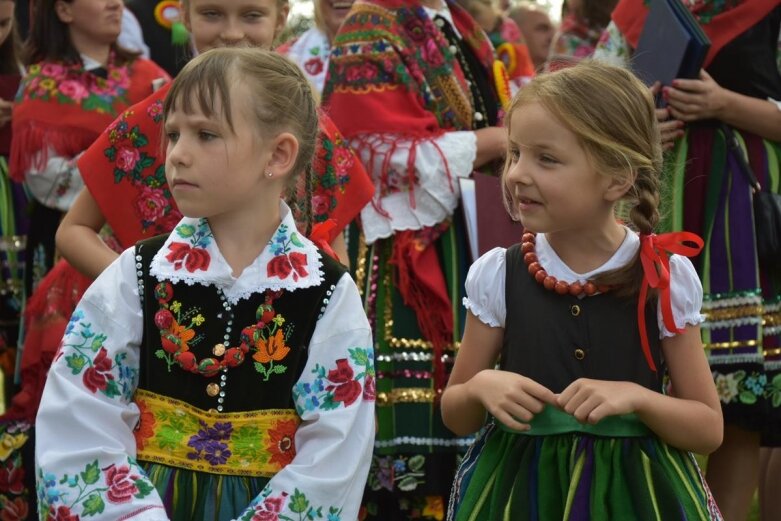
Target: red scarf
[65, 107]
[722, 20]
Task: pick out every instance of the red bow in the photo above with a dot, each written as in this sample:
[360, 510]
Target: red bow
[656, 267]
[321, 235]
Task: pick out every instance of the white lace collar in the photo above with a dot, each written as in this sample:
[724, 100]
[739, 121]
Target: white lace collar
[549, 260]
[290, 261]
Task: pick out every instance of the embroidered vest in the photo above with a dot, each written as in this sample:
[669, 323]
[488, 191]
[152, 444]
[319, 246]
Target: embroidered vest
[556, 339]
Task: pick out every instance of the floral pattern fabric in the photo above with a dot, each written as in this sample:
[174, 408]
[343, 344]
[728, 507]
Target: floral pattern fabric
[96, 372]
[310, 52]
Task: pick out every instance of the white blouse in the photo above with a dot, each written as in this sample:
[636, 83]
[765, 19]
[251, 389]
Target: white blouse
[82, 431]
[485, 283]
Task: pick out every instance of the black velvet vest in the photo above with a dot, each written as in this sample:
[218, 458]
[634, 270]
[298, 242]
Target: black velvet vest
[556, 339]
[241, 388]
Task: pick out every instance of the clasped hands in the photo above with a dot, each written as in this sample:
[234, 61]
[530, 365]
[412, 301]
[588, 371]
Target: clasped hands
[514, 399]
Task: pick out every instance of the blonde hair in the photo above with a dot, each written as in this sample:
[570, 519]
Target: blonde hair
[283, 100]
[612, 113]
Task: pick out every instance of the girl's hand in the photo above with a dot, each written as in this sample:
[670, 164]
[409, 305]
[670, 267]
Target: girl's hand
[510, 397]
[692, 100]
[591, 400]
[5, 111]
[670, 129]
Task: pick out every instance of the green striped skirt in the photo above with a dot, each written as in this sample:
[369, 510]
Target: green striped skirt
[615, 470]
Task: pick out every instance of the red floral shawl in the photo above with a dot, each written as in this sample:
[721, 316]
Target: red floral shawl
[722, 20]
[65, 107]
[124, 171]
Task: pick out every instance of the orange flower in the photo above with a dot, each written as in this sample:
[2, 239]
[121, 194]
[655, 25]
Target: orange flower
[183, 334]
[435, 508]
[146, 425]
[272, 349]
[281, 442]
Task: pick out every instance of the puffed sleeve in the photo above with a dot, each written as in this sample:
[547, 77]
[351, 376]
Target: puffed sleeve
[335, 399]
[485, 288]
[613, 48]
[686, 296]
[85, 450]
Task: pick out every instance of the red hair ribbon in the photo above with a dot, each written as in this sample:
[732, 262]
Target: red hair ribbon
[656, 268]
[321, 235]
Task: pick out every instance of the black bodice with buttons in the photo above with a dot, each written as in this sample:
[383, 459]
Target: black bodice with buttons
[241, 388]
[555, 339]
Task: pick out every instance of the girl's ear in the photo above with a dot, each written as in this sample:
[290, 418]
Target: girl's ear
[618, 186]
[63, 11]
[284, 152]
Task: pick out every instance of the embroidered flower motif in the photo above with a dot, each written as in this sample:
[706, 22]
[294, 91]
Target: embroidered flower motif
[191, 258]
[208, 443]
[216, 453]
[11, 478]
[314, 66]
[97, 376]
[369, 389]
[273, 349]
[121, 484]
[61, 513]
[177, 337]
[269, 509]
[127, 157]
[74, 90]
[145, 428]
[281, 442]
[15, 509]
[346, 389]
[155, 111]
[283, 265]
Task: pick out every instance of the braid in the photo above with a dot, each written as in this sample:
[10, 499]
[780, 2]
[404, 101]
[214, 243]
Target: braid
[645, 215]
[308, 199]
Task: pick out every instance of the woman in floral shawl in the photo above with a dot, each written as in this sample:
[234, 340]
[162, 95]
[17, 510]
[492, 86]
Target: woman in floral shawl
[411, 87]
[738, 92]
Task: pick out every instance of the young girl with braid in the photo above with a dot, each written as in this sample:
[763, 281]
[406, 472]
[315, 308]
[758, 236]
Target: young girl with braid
[585, 316]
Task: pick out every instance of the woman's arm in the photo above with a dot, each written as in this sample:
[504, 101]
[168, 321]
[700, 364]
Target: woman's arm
[689, 420]
[78, 239]
[692, 100]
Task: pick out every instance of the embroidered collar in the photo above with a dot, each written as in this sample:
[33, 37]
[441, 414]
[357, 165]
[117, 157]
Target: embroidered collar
[289, 261]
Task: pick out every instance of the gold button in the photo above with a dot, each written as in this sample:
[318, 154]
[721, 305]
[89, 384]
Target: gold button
[213, 411]
[218, 350]
[575, 310]
[580, 354]
[212, 389]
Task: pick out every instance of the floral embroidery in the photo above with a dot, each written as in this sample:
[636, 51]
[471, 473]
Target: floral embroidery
[340, 385]
[773, 391]
[268, 338]
[209, 443]
[740, 387]
[145, 428]
[85, 354]
[14, 495]
[193, 255]
[70, 84]
[287, 508]
[87, 491]
[281, 442]
[397, 472]
[332, 165]
[286, 262]
[154, 203]
[177, 329]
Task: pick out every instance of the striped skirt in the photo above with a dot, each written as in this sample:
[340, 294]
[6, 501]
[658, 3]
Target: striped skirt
[545, 475]
[742, 301]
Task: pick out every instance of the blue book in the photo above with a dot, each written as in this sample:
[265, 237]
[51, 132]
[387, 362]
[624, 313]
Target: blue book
[672, 44]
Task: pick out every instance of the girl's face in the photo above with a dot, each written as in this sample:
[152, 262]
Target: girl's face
[226, 23]
[203, 152]
[334, 12]
[6, 19]
[553, 185]
[91, 21]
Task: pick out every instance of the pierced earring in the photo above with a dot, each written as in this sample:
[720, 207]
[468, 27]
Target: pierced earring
[269, 173]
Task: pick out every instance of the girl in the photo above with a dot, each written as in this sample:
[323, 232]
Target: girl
[740, 80]
[312, 50]
[79, 80]
[159, 348]
[579, 427]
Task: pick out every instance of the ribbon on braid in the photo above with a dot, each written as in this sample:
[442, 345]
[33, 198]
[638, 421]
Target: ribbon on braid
[654, 250]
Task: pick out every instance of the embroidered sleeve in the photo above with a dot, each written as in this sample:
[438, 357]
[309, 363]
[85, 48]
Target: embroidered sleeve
[686, 294]
[57, 184]
[485, 288]
[416, 181]
[85, 446]
[335, 399]
[613, 48]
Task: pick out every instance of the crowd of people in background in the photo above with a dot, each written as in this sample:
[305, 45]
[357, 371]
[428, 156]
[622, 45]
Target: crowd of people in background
[237, 281]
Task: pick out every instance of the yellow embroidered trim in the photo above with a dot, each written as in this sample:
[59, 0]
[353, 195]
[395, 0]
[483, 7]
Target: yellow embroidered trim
[406, 395]
[730, 313]
[174, 433]
[773, 352]
[732, 345]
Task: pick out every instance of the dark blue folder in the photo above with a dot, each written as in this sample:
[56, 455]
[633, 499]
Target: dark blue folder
[672, 44]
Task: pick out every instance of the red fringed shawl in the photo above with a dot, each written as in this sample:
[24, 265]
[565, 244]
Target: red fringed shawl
[64, 107]
[393, 78]
[722, 20]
